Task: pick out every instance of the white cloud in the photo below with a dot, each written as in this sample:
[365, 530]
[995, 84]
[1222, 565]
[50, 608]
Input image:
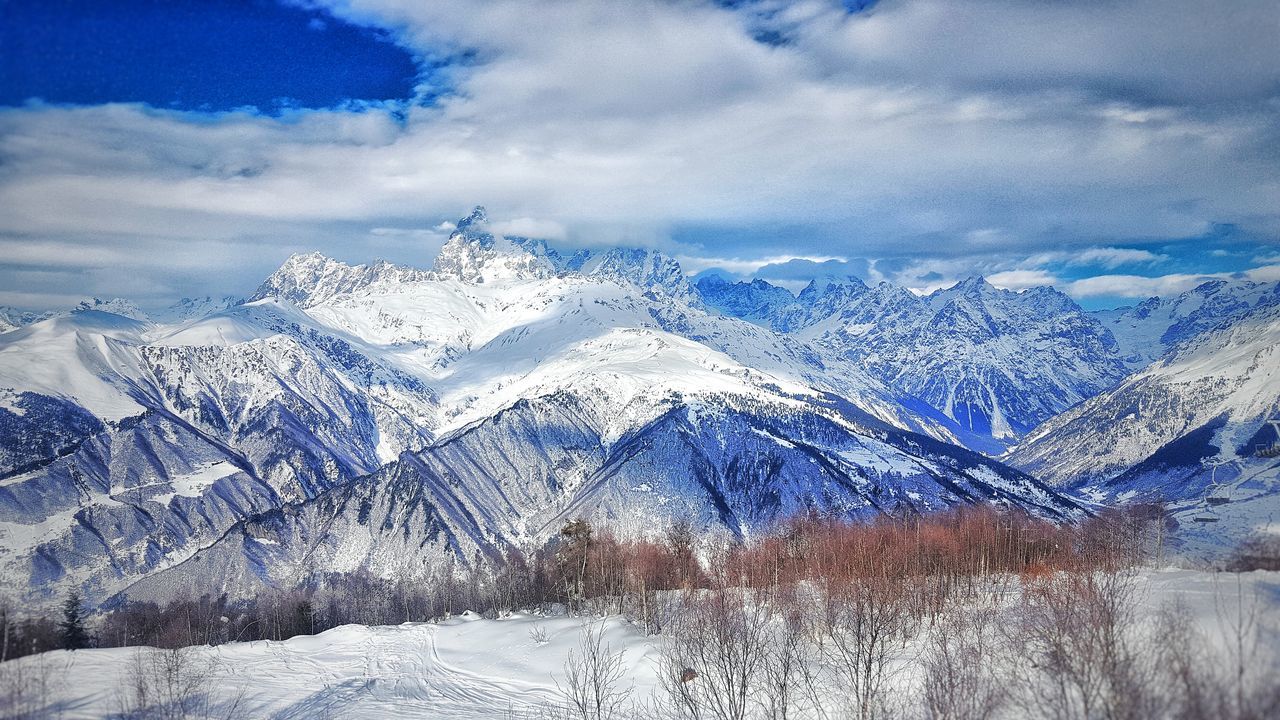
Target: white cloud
[1022, 279]
[694, 264]
[1106, 257]
[1137, 286]
[530, 227]
[1173, 50]
[1113, 257]
[1266, 273]
[1133, 286]
[924, 128]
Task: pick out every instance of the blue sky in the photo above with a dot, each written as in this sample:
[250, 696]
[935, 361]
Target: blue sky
[1113, 148]
[200, 55]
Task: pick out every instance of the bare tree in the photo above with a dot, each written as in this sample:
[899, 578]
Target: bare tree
[788, 653]
[171, 685]
[863, 621]
[1081, 654]
[960, 674]
[716, 645]
[573, 559]
[26, 686]
[1250, 662]
[6, 625]
[592, 686]
[680, 543]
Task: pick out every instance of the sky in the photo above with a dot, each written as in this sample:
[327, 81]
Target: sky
[1115, 149]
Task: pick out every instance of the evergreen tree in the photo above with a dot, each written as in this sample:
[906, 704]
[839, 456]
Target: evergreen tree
[71, 629]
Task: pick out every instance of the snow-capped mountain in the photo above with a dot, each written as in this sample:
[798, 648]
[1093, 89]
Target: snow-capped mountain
[115, 306]
[194, 308]
[991, 363]
[725, 461]
[1220, 388]
[311, 278]
[128, 446]
[13, 318]
[1190, 430]
[348, 413]
[1147, 331]
[757, 301]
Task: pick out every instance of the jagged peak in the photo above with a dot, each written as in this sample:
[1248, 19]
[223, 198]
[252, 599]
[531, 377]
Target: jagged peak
[977, 283]
[821, 286]
[646, 268]
[1209, 287]
[478, 218]
[305, 260]
[474, 255]
[115, 306]
[839, 280]
[712, 280]
[309, 256]
[309, 278]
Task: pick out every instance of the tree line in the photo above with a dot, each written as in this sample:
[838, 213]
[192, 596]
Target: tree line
[590, 568]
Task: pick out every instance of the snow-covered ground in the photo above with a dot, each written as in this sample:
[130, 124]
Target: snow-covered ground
[464, 667]
[470, 667]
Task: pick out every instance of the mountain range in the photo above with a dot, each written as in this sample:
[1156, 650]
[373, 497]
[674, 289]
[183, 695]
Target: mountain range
[400, 420]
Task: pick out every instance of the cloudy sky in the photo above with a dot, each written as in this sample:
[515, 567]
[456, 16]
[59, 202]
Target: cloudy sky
[1114, 148]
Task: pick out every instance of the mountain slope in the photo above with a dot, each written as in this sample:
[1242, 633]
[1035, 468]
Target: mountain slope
[990, 364]
[1229, 379]
[1150, 329]
[1190, 430]
[354, 416]
[727, 462]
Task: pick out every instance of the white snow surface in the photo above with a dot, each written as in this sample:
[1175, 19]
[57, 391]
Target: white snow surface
[464, 667]
[469, 667]
[78, 357]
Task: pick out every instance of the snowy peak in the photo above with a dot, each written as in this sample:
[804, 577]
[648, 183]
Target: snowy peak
[981, 311]
[115, 306]
[993, 362]
[1147, 331]
[821, 298]
[12, 318]
[478, 219]
[975, 286]
[188, 309]
[974, 289]
[649, 270]
[824, 287]
[475, 255]
[312, 278]
[757, 301]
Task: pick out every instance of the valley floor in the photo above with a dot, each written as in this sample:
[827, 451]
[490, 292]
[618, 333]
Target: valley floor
[470, 667]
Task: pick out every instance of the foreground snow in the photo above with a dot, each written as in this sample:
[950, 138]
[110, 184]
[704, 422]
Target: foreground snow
[465, 667]
[469, 667]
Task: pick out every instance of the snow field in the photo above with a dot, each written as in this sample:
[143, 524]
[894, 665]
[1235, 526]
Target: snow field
[470, 667]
